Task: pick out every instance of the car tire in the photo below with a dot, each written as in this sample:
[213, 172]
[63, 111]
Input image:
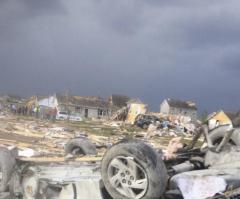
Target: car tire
[218, 133]
[133, 170]
[80, 147]
[7, 164]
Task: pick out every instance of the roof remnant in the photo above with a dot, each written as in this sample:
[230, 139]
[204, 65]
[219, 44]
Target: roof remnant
[210, 116]
[82, 101]
[233, 116]
[182, 104]
[230, 115]
[119, 100]
[135, 101]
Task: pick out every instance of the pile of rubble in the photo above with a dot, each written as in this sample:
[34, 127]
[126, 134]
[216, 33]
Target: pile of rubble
[41, 138]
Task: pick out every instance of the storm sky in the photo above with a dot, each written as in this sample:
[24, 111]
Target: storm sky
[151, 49]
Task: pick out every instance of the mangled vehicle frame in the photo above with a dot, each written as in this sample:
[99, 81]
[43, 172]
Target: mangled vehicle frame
[132, 169]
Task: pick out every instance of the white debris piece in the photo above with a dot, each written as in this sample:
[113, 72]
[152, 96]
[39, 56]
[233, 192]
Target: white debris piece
[57, 129]
[26, 153]
[201, 187]
[152, 128]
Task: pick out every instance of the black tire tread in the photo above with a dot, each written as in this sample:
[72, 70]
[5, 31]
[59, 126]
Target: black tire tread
[7, 164]
[86, 146]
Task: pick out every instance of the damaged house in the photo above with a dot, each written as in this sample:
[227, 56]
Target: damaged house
[135, 107]
[119, 107]
[223, 118]
[87, 107]
[47, 106]
[126, 109]
[179, 108]
[217, 119]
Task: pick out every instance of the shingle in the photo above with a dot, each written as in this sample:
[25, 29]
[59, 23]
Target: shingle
[86, 101]
[182, 104]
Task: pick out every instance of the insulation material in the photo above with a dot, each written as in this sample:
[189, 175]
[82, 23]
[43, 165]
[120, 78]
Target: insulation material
[201, 187]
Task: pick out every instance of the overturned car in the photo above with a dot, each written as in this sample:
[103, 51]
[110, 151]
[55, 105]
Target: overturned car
[132, 169]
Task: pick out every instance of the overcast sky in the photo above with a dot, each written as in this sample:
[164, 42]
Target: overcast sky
[151, 49]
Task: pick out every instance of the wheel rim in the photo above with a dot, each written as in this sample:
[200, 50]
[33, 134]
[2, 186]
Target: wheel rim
[127, 177]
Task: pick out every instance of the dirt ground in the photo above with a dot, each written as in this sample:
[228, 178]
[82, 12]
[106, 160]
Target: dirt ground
[47, 138]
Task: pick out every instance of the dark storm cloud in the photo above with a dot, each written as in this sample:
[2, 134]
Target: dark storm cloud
[44, 5]
[123, 16]
[15, 14]
[18, 9]
[150, 49]
[231, 63]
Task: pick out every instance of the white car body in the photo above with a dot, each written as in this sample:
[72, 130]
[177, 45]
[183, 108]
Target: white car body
[75, 117]
[62, 115]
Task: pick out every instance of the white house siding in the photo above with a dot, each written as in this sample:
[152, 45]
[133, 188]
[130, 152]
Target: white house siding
[50, 102]
[92, 112]
[164, 108]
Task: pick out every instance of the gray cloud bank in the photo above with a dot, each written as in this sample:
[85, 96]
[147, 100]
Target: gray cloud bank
[146, 48]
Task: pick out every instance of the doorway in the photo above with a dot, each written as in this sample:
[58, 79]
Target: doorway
[86, 113]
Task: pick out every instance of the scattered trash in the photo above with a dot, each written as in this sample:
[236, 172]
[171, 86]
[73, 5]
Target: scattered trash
[173, 146]
[68, 143]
